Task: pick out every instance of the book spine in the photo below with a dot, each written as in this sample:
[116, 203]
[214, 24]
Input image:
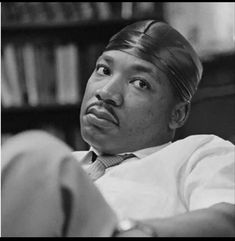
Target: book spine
[48, 73]
[39, 74]
[116, 9]
[73, 94]
[70, 12]
[21, 73]
[6, 95]
[67, 64]
[59, 62]
[127, 10]
[29, 64]
[102, 10]
[87, 10]
[9, 57]
[144, 9]
[38, 12]
[54, 11]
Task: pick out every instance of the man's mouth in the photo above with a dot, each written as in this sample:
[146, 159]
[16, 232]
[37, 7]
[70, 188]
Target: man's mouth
[101, 112]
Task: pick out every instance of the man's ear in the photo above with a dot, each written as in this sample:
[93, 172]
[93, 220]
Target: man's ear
[179, 115]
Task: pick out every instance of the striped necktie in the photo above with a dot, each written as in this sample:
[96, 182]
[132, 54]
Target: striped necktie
[97, 168]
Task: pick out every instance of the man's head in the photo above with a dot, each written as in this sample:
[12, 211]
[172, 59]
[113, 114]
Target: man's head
[140, 90]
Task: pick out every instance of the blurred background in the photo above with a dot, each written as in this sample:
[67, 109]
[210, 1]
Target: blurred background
[49, 49]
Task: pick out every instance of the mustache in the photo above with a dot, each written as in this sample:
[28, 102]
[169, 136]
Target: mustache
[106, 106]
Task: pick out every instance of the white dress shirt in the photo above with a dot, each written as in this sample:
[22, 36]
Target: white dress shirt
[163, 181]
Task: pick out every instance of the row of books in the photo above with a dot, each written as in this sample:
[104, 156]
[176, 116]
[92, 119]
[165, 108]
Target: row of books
[41, 74]
[41, 12]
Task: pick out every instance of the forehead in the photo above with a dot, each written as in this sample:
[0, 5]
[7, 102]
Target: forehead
[129, 61]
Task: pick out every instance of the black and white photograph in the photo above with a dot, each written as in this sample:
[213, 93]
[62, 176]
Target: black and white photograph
[117, 119]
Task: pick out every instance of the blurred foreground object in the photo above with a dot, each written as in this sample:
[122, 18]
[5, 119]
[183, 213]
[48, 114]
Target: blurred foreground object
[45, 192]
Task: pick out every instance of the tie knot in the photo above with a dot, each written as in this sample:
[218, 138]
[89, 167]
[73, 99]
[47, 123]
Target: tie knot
[100, 163]
[112, 160]
[109, 161]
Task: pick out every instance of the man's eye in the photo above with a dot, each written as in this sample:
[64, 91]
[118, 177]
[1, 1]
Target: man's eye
[141, 84]
[103, 70]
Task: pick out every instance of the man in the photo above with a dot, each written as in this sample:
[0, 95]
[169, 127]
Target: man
[136, 98]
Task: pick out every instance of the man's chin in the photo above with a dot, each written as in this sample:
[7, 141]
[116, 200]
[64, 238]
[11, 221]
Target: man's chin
[101, 142]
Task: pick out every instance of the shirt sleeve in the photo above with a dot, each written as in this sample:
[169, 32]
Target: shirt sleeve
[210, 177]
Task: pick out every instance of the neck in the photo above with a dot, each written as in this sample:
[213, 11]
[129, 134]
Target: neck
[132, 149]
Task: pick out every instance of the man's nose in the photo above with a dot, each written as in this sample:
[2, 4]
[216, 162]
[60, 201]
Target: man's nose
[111, 92]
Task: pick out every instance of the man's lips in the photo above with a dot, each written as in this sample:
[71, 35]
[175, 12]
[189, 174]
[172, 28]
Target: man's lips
[102, 112]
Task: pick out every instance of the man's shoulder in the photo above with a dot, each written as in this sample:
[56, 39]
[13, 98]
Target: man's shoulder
[204, 148]
[78, 155]
[204, 142]
[203, 139]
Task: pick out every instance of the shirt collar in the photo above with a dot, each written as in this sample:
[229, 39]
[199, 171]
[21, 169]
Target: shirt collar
[140, 153]
[150, 150]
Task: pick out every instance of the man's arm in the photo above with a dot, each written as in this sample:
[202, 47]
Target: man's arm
[216, 221]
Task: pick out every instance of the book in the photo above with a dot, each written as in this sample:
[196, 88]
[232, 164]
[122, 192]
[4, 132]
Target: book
[54, 12]
[145, 10]
[37, 11]
[116, 9]
[102, 10]
[127, 10]
[39, 73]
[9, 14]
[23, 13]
[79, 14]
[7, 98]
[11, 70]
[67, 74]
[45, 73]
[49, 70]
[29, 64]
[87, 11]
[70, 11]
[21, 73]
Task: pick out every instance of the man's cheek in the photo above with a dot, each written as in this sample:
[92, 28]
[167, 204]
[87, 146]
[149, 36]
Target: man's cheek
[137, 126]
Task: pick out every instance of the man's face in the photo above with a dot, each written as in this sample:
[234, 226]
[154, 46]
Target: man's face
[127, 105]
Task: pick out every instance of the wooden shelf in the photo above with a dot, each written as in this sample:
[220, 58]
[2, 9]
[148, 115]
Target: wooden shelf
[16, 119]
[83, 32]
[224, 58]
[68, 24]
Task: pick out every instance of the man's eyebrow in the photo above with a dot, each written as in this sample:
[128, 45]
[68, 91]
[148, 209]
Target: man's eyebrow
[146, 69]
[142, 68]
[106, 58]
[135, 67]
